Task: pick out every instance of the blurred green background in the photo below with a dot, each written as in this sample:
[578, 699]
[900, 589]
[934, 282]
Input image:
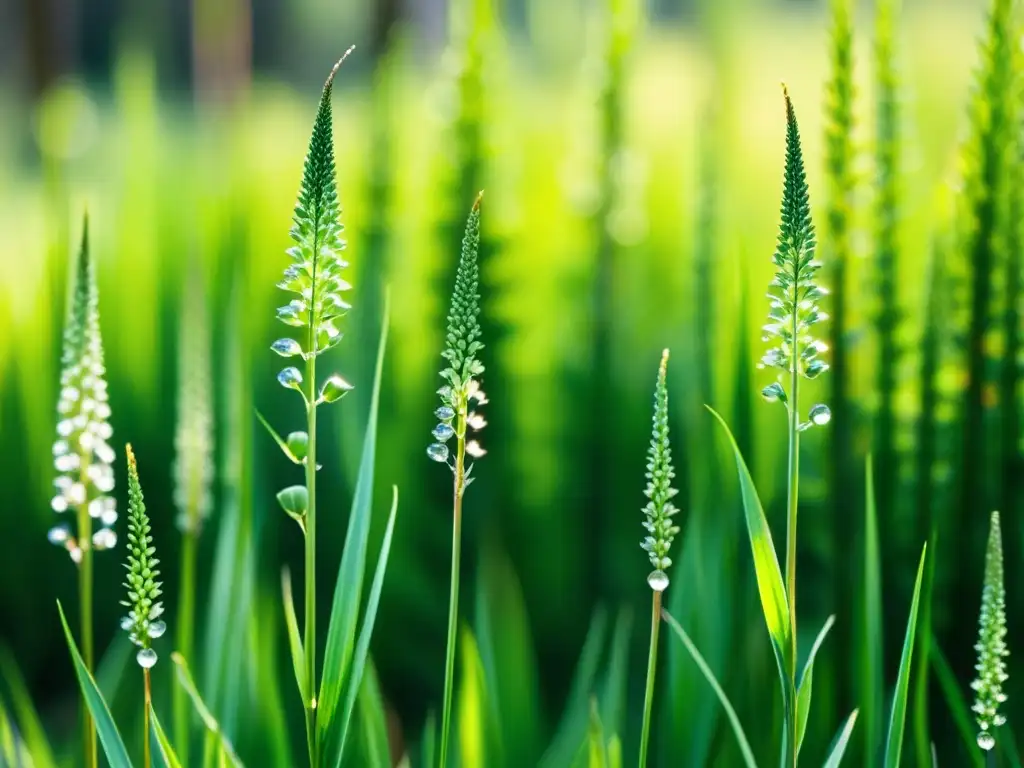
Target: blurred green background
[632, 159]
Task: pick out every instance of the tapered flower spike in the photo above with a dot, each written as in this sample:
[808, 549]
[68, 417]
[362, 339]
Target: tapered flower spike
[991, 647]
[462, 391]
[660, 509]
[143, 622]
[795, 292]
[82, 455]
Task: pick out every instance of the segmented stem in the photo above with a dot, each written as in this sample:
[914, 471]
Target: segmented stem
[145, 720]
[792, 491]
[309, 634]
[85, 605]
[652, 664]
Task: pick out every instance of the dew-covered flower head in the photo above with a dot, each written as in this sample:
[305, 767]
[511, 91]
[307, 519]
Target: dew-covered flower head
[82, 456]
[795, 293]
[143, 622]
[991, 647]
[659, 510]
[461, 395]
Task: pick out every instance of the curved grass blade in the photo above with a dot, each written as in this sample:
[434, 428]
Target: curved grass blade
[958, 707]
[227, 752]
[613, 695]
[597, 752]
[472, 706]
[835, 755]
[13, 751]
[30, 727]
[113, 745]
[373, 718]
[278, 439]
[294, 639]
[355, 678]
[734, 721]
[870, 678]
[770, 586]
[894, 742]
[803, 695]
[348, 589]
[163, 744]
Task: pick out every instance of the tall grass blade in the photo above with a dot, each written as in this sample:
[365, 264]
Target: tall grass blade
[294, 639]
[803, 696]
[734, 721]
[871, 672]
[472, 706]
[835, 755]
[362, 650]
[348, 589]
[376, 750]
[613, 693]
[922, 734]
[766, 564]
[110, 738]
[27, 718]
[213, 728]
[894, 741]
[597, 750]
[163, 749]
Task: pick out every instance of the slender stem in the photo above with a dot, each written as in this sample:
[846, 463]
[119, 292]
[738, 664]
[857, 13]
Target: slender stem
[309, 634]
[145, 721]
[186, 634]
[453, 600]
[85, 606]
[652, 664]
[792, 493]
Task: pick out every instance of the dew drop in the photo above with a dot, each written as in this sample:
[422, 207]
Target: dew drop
[774, 393]
[443, 432]
[290, 378]
[59, 503]
[286, 347]
[658, 580]
[104, 538]
[95, 507]
[146, 658]
[986, 740]
[444, 413]
[109, 516]
[156, 629]
[438, 452]
[820, 414]
[105, 453]
[60, 448]
[127, 622]
[59, 534]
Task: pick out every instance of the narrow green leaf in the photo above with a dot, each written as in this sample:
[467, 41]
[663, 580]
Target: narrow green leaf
[376, 750]
[212, 726]
[894, 742]
[113, 746]
[428, 747]
[613, 694]
[472, 709]
[597, 752]
[803, 696]
[734, 720]
[770, 586]
[572, 729]
[922, 737]
[165, 750]
[29, 725]
[348, 588]
[870, 679]
[835, 755]
[12, 750]
[355, 679]
[294, 639]
[285, 449]
[959, 709]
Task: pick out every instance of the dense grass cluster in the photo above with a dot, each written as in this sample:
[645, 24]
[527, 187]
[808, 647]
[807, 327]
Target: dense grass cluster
[895, 451]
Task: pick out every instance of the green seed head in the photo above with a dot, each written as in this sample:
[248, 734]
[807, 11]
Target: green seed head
[315, 274]
[991, 647]
[144, 609]
[82, 455]
[659, 509]
[461, 390]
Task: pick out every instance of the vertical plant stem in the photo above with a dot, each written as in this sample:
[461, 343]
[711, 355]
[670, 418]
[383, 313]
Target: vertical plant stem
[145, 721]
[453, 600]
[652, 664]
[791, 496]
[186, 634]
[309, 634]
[85, 605]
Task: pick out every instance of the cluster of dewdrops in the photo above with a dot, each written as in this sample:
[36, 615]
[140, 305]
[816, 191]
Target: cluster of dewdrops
[452, 403]
[82, 455]
[151, 625]
[991, 647]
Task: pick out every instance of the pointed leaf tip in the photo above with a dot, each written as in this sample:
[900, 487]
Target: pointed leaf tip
[337, 66]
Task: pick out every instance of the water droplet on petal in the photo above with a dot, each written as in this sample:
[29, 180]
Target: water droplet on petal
[658, 580]
[290, 378]
[438, 452]
[444, 413]
[146, 658]
[986, 740]
[821, 414]
[443, 432]
[59, 534]
[774, 393]
[286, 347]
[59, 503]
[127, 622]
[156, 629]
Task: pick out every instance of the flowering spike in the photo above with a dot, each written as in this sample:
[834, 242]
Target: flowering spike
[991, 645]
[660, 509]
[144, 609]
[81, 454]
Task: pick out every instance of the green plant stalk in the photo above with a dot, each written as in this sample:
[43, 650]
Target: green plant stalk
[453, 599]
[85, 603]
[148, 702]
[792, 489]
[652, 664]
[186, 636]
[309, 633]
